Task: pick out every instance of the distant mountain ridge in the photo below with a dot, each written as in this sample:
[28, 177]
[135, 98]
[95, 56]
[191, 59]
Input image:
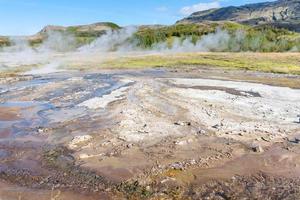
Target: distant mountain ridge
[282, 14]
[260, 24]
[83, 33]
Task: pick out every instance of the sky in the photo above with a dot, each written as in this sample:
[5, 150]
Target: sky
[26, 17]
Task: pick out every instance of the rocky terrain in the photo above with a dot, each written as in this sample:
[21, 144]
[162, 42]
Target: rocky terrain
[282, 13]
[193, 133]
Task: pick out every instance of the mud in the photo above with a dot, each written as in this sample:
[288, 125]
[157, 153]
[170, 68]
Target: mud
[149, 134]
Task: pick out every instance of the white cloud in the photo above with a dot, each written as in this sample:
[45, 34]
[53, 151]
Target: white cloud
[187, 10]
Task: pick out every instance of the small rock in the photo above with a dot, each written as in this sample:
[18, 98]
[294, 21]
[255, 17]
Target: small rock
[297, 139]
[193, 162]
[177, 166]
[183, 123]
[200, 132]
[257, 149]
[216, 126]
[181, 143]
[265, 139]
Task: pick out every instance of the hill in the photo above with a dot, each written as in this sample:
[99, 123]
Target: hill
[82, 33]
[280, 14]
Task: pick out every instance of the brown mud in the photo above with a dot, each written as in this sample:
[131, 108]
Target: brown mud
[150, 134]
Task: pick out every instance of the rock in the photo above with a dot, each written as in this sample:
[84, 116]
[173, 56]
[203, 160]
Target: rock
[42, 130]
[193, 162]
[200, 132]
[281, 14]
[216, 126]
[257, 149]
[297, 139]
[177, 166]
[77, 140]
[181, 143]
[180, 123]
[265, 139]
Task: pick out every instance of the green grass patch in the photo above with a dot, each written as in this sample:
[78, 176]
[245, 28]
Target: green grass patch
[288, 63]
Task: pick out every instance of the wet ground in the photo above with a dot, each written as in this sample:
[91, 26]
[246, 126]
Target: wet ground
[150, 134]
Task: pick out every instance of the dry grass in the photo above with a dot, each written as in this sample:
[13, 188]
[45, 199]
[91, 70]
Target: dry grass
[287, 63]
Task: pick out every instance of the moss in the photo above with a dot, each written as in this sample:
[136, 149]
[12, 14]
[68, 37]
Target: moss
[58, 157]
[133, 190]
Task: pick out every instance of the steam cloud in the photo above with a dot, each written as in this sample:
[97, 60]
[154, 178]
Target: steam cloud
[112, 41]
[48, 55]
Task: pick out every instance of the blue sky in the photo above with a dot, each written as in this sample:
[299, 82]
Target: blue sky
[23, 17]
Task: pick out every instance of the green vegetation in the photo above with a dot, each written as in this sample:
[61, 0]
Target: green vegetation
[87, 35]
[133, 190]
[148, 36]
[242, 37]
[4, 41]
[264, 38]
[266, 62]
[83, 34]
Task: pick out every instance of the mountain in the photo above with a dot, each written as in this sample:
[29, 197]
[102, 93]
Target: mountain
[82, 33]
[281, 14]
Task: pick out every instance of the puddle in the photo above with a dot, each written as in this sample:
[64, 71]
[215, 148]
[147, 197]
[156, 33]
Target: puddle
[3, 154]
[22, 117]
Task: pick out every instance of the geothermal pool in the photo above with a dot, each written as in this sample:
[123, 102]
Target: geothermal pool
[115, 134]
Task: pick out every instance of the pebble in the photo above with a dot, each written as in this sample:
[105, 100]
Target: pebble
[183, 123]
[201, 131]
[257, 149]
[297, 139]
[177, 166]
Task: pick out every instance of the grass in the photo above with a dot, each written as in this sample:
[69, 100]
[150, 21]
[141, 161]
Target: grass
[257, 39]
[287, 63]
[15, 71]
[4, 41]
[263, 38]
[284, 63]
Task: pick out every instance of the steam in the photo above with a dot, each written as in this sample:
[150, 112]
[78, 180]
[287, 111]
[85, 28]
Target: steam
[112, 41]
[46, 69]
[19, 44]
[122, 42]
[43, 57]
[60, 48]
[58, 42]
[218, 41]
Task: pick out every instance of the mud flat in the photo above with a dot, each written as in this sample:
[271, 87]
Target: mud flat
[150, 134]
